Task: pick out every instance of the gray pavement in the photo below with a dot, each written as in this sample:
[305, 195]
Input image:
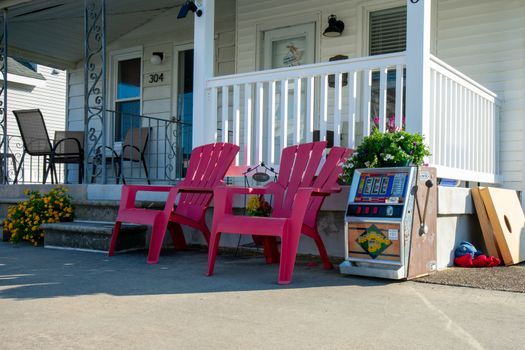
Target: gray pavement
[52, 299]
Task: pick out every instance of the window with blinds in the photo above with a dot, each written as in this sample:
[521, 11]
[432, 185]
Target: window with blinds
[388, 30]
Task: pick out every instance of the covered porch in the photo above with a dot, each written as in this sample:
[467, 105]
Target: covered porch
[260, 108]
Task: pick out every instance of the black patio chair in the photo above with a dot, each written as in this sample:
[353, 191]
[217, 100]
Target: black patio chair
[67, 149]
[133, 149]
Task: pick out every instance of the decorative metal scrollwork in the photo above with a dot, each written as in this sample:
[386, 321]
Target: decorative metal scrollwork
[95, 81]
[3, 93]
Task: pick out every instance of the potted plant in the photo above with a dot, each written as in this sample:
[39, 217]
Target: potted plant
[389, 149]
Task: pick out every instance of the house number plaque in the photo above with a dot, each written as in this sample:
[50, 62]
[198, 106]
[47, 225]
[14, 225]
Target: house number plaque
[157, 79]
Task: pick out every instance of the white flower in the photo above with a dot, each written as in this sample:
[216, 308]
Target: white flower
[367, 164]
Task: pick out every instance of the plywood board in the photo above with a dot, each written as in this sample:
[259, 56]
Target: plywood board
[486, 228]
[508, 222]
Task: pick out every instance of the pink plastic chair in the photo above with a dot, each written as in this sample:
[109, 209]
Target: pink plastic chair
[295, 205]
[207, 167]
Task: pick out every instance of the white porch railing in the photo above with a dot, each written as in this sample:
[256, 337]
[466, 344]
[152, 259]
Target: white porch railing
[463, 126]
[269, 110]
[265, 111]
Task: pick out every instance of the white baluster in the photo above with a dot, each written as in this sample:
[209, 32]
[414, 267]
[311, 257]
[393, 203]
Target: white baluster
[352, 106]
[248, 146]
[212, 134]
[338, 106]
[284, 113]
[271, 121]
[225, 107]
[323, 120]
[366, 98]
[297, 110]
[259, 111]
[382, 98]
[237, 119]
[399, 95]
[310, 108]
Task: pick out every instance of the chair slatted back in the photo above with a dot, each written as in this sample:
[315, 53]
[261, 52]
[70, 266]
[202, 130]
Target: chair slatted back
[135, 143]
[299, 164]
[207, 167]
[33, 131]
[327, 180]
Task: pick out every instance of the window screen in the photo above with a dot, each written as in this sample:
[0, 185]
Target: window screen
[388, 30]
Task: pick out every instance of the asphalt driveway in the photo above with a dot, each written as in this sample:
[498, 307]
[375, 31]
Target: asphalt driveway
[55, 299]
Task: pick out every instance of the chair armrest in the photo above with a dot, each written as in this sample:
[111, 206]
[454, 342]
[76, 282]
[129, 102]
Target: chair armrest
[321, 191]
[195, 189]
[223, 197]
[240, 190]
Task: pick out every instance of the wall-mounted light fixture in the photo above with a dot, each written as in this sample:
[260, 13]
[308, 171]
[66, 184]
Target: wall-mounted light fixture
[189, 6]
[157, 58]
[335, 27]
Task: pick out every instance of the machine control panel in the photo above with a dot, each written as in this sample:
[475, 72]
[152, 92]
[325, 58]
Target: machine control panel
[366, 210]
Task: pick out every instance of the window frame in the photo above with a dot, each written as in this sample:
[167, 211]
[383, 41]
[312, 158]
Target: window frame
[115, 58]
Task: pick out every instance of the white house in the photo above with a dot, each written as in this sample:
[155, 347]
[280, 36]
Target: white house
[463, 62]
[264, 74]
[32, 86]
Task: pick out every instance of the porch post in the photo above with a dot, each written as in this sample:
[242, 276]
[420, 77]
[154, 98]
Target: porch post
[94, 86]
[203, 70]
[417, 66]
[3, 102]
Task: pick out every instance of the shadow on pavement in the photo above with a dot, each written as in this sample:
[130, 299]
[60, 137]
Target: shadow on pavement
[30, 273]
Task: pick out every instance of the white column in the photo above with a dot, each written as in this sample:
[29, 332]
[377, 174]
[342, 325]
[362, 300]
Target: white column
[203, 49]
[418, 73]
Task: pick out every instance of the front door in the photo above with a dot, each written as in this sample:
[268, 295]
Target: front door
[288, 47]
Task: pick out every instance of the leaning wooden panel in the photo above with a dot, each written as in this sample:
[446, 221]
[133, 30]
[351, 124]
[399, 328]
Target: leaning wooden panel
[508, 222]
[484, 223]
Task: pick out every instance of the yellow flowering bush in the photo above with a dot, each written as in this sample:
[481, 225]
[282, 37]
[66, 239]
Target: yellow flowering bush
[24, 219]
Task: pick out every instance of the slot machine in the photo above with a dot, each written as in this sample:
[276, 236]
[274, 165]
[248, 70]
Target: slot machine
[390, 223]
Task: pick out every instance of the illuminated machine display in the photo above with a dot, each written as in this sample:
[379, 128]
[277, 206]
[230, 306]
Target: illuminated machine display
[390, 223]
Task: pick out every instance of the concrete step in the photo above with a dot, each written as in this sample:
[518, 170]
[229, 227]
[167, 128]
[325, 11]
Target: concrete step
[95, 210]
[93, 236]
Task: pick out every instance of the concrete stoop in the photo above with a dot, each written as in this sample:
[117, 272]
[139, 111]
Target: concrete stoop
[93, 236]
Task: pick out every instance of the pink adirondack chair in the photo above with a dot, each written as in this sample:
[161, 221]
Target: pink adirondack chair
[207, 167]
[327, 182]
[294, 197]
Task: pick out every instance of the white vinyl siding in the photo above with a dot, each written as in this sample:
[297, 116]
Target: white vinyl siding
[486, 40]
[49, 98]
[160, 35]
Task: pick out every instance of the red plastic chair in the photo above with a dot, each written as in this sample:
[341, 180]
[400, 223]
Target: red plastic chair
[295, 205]
[207, 167]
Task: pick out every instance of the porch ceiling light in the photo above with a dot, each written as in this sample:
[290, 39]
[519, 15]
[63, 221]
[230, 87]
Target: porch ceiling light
[157, 58]
[189, 6]
[335, 28]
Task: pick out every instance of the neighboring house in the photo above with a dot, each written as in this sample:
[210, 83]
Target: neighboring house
[269, 64]
[32, 86]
